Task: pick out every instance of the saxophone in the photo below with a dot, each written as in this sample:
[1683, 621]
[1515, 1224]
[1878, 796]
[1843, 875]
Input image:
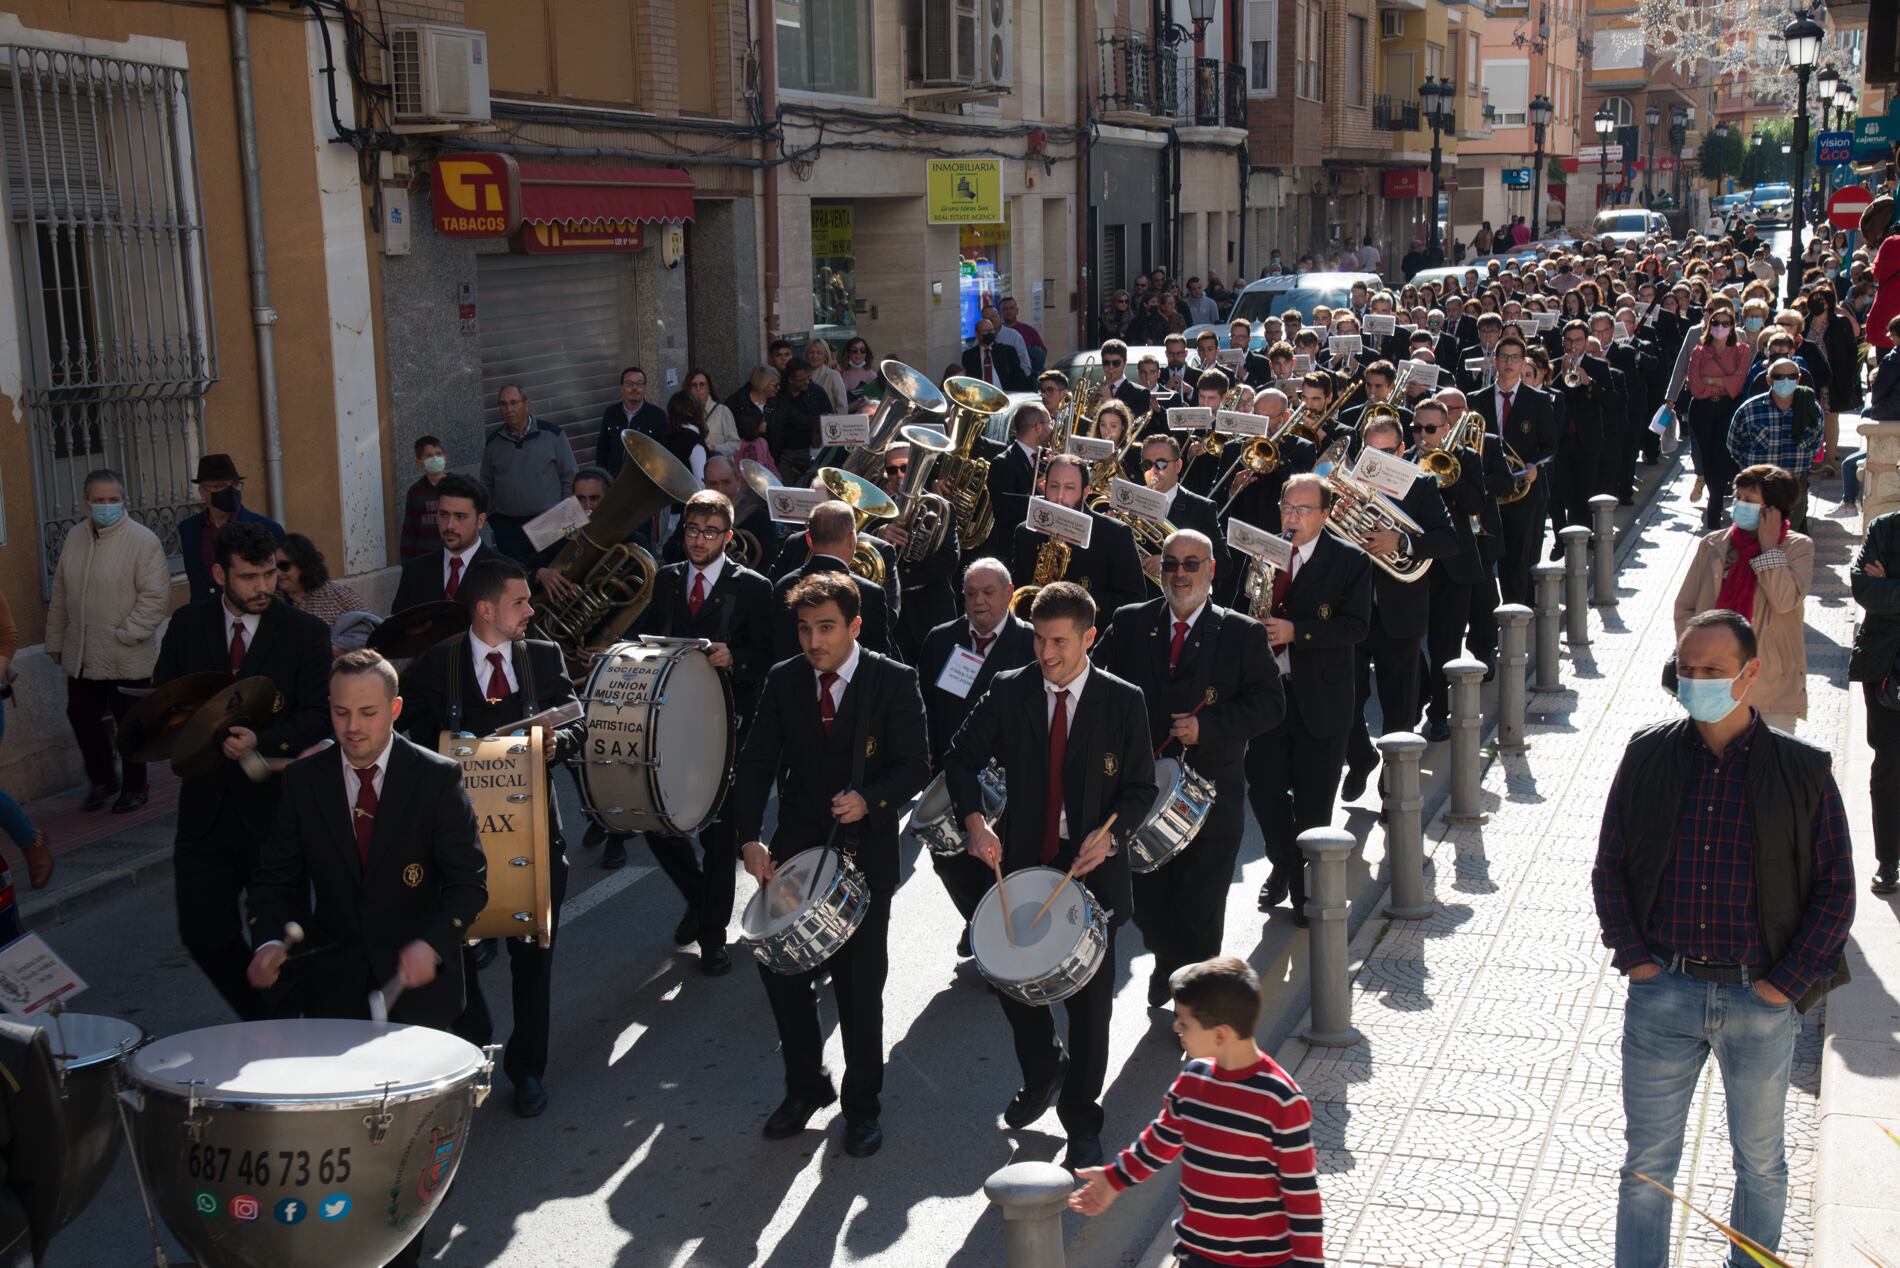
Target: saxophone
[1052, 561]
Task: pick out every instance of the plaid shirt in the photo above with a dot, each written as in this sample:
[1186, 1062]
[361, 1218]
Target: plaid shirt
[1759, 432]
[1706, 907]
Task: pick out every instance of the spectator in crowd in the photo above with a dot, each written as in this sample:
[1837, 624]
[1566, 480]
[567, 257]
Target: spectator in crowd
[825, 375]
[1201, 308]
[417, 536]
[221, 490]
[1349, 259]
[1171, 313]
[1031, 337]
[1007, 338]
[1370, 257]
[995, 363]
[1149, 326]
[1698, 939]
[1875, 665]
[303, 578]
[1117, 316]
[1481, 240]
[111, 591]
[1781, 427]
[632, 412]
[528, 466]
[749, 406]
[13, 820]
[1761, 568]
[1414, 260]
[722, 434]
[792, 423]
[779, 354]
[1218, 292]
[860, 370]
[1883, 402]
[685, 437]
[1718, 367]
[1833, 330]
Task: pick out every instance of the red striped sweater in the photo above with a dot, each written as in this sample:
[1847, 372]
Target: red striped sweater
[1249, 1184]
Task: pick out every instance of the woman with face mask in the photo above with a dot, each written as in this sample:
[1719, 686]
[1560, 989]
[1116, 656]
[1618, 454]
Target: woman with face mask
[1717, 371]
[1760, 568]
[859, 370]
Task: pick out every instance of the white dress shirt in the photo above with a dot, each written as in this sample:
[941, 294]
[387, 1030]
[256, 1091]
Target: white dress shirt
[1302, 555]
[711, 572]
[248, 620]
[465, 556]
[1193, 618]
[844, 672]
[1074, 688]
[480, 650]
[353, 782]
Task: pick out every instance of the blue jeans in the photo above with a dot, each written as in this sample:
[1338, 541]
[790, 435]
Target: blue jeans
[1670, 1026]
[1850, 475]
[13, 820]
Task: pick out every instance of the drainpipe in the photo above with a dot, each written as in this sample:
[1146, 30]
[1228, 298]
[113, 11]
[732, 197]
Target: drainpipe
[768, 111]
[1085, 278]
[263, 316]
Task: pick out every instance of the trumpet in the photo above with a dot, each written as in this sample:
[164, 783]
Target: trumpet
[1573, 373]
[1443, 465]
[1212, 445]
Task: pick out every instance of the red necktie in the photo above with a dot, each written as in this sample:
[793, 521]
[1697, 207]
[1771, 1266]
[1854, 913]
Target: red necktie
[1052, 800]
[989, 374]
[497, 678]
[1174, 648]
[983, 642]
[1282, 582]
[698, 596]
[827, 708]
[365, 815]
[455, 577]
[237, 646]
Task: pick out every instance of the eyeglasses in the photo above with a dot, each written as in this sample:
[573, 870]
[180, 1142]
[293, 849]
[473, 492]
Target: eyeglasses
[1191, 564]
[1295, 508]
[896, 469]
[282, 564]
[1428, 429]
[699, 533]
[1156, 464]
[1785, 378]
[1113, 363]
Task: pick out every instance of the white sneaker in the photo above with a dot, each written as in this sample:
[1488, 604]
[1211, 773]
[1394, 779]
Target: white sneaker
[1695, 492]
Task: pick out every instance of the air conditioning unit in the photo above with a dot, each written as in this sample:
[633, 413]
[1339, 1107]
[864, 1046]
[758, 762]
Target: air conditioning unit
[438, 74]
[997, 69]
[966, 44]
[1391, 24]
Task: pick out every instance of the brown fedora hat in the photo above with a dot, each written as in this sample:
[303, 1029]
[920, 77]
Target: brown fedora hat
[216, 466]
[1877, 219]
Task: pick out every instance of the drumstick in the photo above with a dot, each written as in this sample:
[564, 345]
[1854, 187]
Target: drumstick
[1047, 902]
[1002, 899]
[1191, 712]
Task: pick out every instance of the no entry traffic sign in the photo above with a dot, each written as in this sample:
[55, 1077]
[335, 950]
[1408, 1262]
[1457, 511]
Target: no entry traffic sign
[1845, 207]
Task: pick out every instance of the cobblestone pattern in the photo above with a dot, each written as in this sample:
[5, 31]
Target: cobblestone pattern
[1481, 1121]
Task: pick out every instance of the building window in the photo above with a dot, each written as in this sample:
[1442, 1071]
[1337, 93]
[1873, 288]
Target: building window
[1263, 43]
[1355, 61]
[1311, 32]
[824, 46]
[116, 345]
[1472, 62]
[833, 271]
[1509, 86]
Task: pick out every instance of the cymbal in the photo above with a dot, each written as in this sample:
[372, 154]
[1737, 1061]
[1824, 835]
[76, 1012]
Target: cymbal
[248, 702]
[150, 729]
[415, 630]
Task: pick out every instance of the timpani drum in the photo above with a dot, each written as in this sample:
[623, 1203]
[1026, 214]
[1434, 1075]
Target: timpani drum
[660, 738]
[1183, 801]
[1052, 958]
[88, 1051]
[507, 781]
[809, 909]
[305, 1143]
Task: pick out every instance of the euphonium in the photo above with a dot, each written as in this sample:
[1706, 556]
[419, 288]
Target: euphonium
[909, 397]
[1359, 510]
[1256, 586]
[869, 504]
[972, 402]
[924, 516]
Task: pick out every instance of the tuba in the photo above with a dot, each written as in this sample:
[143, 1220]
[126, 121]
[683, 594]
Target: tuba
[924, 516]
[909, 397]
[869, 504]
[972, 403]
[613, 578]
[1359, 510]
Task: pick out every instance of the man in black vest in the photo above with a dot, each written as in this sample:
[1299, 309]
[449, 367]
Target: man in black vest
[245, 632]
[460, 511]
[833, 536]
[1013, 478]
[1724, 883]
[840, 730]
[1211, 685]
[1091, 728]
[483, 683]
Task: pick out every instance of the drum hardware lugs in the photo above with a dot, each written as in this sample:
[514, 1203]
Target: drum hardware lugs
[378, 1122]
[194, 1125]
[464, 750]
[518, 861]
[518, 798]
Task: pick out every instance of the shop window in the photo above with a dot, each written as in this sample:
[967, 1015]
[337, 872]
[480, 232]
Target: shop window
[983, 269]
[833, 271]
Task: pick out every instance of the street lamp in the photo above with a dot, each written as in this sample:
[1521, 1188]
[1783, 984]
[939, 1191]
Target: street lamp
[1200, 12]
[1652, 115]
[1803, 37]
[1605, 124]
[1434, 96]
[1540, 119]
[1843, 104]
[1678, 138]
[1826, 80]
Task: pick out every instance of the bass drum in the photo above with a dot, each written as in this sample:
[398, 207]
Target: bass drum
[507, 783]
[88, 1050]
[659, 749]
[305, 1143]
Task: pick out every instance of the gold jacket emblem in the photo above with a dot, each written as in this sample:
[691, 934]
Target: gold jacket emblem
[1208, 697]
[1109, 765]
[412, 875]
[870, 746]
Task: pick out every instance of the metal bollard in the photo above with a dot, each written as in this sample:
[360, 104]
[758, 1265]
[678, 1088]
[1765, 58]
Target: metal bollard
[1549, 582]
[1466, 674]
[1514, 630]
[1576, 540]
[1603, 550]
[1326, 851]
[1404, 833]
[1032, 1196]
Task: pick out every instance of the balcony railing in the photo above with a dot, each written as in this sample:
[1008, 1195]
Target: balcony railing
[1395, 114]
[1141, 76]
[1216, 96]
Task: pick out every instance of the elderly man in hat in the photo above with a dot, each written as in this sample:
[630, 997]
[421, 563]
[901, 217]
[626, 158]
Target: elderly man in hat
[221, 490]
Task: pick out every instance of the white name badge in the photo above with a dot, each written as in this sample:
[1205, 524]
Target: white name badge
[1190, 418]
[1238, 423]
[1137, 499]
[33, 978]
[844, 429]
[1259, 543]
[959, 672]
[1390, 476]
[1346, 345]
[1091, 448]
[1424, 373]
[793, 505]
[1381, 323]
[1060, 523]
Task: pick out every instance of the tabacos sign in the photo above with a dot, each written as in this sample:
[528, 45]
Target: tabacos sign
[476, 195]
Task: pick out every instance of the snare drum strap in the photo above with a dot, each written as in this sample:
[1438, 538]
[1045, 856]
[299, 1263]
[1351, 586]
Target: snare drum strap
[861, 730]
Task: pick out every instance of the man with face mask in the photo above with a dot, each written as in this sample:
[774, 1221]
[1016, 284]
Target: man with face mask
[1780, 427]
[221, 492]
[996, 363]
[1724, 884]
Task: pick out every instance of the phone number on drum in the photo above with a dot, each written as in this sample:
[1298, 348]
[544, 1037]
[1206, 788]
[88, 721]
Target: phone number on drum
[292, 1167]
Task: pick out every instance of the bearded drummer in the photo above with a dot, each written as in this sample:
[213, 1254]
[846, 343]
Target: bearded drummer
[483, 683]
[1209, 679]
[840, 731]
[1073, 745]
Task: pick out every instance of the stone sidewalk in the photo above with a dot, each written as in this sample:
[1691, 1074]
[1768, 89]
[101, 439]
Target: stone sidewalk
[1481, 1121]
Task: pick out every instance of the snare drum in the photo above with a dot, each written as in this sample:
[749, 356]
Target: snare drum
[88, 1050]
[794, 925]
[1057, 957]
[935, 821]
[1182, 804]
[507, 780]
[660, 739]
[286, 1144]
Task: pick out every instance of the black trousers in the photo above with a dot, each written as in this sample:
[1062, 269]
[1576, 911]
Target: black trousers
[531, 978]
[88, 701]
[1883, 736]
[1181, 906]
[209, 876]
[707, 888]
[1481, 619]
[965, 879]
[1523, 541]
[857, 973]
[1292, 781]
[1575, 476]
[1444, 638]
[1039, 1051]
[1400, 668]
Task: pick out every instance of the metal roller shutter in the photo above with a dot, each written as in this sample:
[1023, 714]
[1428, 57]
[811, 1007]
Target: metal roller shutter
[553, 325]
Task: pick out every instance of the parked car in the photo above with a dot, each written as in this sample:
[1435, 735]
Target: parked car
[1271, 296]
[1772, 204]
[1628, 224]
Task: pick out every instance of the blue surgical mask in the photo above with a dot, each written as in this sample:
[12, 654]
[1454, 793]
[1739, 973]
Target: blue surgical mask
[1783, 388]
[1707, 699]
[106, 514]
[1753, 324]
[1747, 516]
[435, 464]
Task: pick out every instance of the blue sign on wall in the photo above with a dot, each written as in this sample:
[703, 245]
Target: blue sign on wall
[1873, 135]
[1517, 177]
[1833, 147]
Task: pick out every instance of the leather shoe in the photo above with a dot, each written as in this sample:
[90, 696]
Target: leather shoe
[39, 861]
[615, 855]
[862, 1137]
[130, 801]
[792, 1114]
[1299, 915]
[530, 1097]
[686, 932]
[1354, 785]
[1031, 1103]
[98, 795]
[1273, 893]
[1438, 732]
[715, 961]
[1084, 1151]
[485, 952]
[1886, 879]
[1158, 992]
[594, 837]
[963, 944]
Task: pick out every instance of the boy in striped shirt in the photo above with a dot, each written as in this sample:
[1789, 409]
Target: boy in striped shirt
[1249, 1186]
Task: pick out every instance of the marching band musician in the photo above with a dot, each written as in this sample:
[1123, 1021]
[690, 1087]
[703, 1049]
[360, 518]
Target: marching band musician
[437, 574]
[840, 730]
[244, 632]
[1161, 466]
[482, 683]
[1590, 411]
[1524, 417]
[1381, 377]
[722, 476]
[1116, 385]
[832, 532]
[1400, 612]
[709, 596]
[1481, 622]
[1087, 762]
[1256, 369]
[1210, 683]
[1013, 478]
[1195, 472]
[795, 550]
[1322, 607]
[1451, 579]
[1108, 566]
[929, 600]
[959, 660]
[1318, 390]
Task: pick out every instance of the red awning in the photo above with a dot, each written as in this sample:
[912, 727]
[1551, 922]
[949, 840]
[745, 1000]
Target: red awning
[573, 193]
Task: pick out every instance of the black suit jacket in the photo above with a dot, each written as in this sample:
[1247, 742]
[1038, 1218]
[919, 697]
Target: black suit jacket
[1132, 394]
[1014, 647]
[1009, 368]
[796, 549]
[1108, 566]
[1108, 768]
[425, 879]
[1191, 510]
[874, 635]
[421, 580]
[292, 649]
[1590, 410]
[876, 746]
[1330, 606]
[1012, 481]
[609, 453]
[737, 612]
[1534, 428]
[1462, 501]
[1400, 608]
